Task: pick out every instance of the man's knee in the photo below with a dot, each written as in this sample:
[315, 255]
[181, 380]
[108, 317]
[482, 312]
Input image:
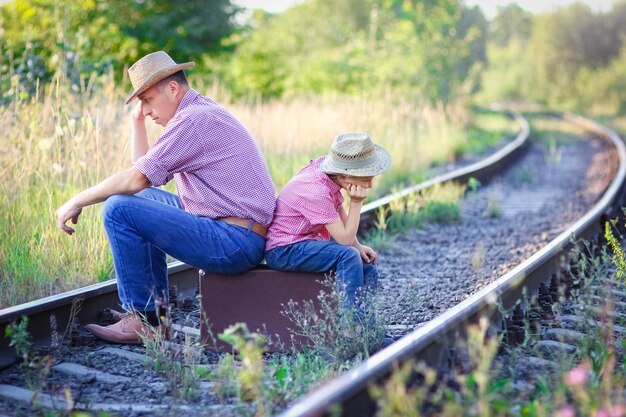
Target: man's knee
[153, 193]
[111, 204]
[145, 193]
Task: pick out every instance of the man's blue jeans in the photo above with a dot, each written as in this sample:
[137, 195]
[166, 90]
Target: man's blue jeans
[354, 277]
[142, 228]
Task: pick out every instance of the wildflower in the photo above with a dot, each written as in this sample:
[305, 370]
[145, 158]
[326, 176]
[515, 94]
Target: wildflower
[44, 144]
[577, 376]
[618, 411]
[58, 168]
[613, 411]
[566, 411]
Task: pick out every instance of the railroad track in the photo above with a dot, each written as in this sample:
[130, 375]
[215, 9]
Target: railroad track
[421, 344]
[435, 341]
[95, 298]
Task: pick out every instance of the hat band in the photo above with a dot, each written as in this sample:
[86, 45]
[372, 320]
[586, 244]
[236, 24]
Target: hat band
[367, 153]
[362, 163]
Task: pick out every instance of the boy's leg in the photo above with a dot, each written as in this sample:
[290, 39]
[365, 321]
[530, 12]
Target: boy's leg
[322, 256]
[142, 228]
[370, 277]
[370, 284]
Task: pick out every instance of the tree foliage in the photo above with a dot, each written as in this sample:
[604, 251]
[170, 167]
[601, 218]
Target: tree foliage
[573, 58]
[570, 45]
[187, 29]
[511, 23]
[434, 50]
[77, 37]
[431, 49]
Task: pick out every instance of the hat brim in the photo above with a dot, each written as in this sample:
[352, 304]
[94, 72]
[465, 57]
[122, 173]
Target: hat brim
[379, 164]
[156, 77]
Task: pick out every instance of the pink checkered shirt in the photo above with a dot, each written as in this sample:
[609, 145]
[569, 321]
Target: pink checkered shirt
[308, 201]
[216, 163]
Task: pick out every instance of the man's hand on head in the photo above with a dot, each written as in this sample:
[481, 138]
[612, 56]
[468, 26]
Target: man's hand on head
[137, 113]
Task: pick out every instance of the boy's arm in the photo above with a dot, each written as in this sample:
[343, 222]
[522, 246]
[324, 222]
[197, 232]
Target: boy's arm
[344, 216]
[368, 254]
[344, 230]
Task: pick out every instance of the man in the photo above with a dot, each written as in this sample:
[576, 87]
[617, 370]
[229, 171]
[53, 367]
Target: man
[218, 221]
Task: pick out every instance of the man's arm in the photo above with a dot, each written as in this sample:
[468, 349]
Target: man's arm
[129, 181]
[139, 145]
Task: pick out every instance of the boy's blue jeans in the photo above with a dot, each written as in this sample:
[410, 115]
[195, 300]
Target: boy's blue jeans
[354, 277]
[142, 228]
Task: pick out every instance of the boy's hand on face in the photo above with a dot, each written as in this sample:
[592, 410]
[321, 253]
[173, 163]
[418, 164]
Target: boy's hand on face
[356, 193]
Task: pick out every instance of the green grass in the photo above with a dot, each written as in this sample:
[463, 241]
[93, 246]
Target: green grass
[555, 132]
[437, 204]
[486, 130]
[258, 384]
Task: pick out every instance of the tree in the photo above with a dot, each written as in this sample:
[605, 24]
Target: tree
[429, 49]
[511, 22]
[187, 29]
[77, 37]
[453, 42]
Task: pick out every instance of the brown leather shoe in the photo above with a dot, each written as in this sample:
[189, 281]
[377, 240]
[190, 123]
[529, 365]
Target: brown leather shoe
[118, 315]
[125, 331]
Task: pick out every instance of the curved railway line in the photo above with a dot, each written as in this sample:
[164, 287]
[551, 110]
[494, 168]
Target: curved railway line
[97, 297]
[433, 342]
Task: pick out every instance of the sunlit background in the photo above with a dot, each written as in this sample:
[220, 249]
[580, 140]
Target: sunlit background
[489, 7]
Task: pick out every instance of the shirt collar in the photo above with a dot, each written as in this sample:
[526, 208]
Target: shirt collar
[332, 185]
[189, 97]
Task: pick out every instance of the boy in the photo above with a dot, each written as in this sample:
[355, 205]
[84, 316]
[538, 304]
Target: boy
[312, 232]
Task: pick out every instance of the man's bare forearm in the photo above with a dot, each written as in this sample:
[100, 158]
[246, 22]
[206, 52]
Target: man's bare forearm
[129, 181]
[139, 145]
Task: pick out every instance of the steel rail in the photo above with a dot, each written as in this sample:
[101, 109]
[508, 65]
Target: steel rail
[482, 170]
[432, 341]
[94, 298]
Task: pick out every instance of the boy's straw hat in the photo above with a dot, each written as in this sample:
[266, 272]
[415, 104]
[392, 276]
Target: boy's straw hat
[151, 69]
[355, 154]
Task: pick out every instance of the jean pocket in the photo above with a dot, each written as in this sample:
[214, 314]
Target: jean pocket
[278, 259]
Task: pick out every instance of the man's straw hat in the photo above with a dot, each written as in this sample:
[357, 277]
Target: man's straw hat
[151, 69]
[355, 154]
